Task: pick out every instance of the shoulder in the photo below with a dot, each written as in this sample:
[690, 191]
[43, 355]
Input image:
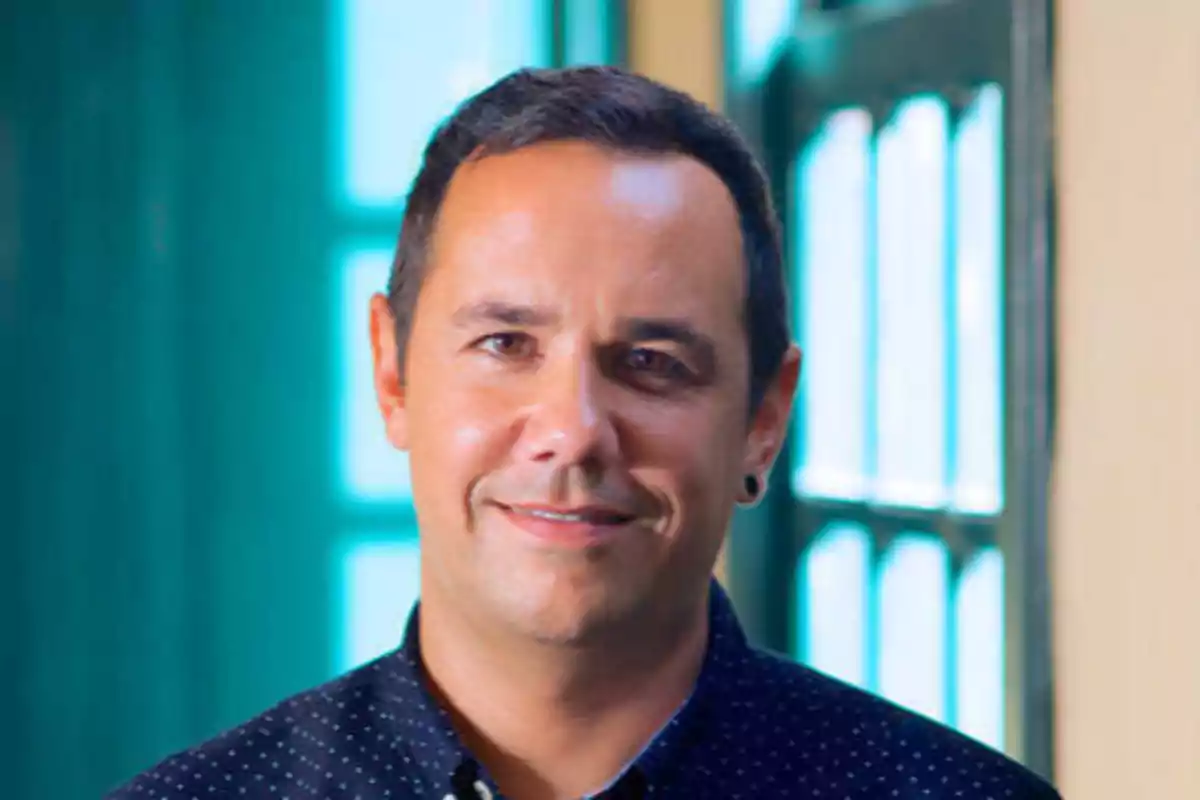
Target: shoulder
[859, 740]
[287, 745]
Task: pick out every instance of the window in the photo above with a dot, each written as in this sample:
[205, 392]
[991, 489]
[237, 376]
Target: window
[904, 145]
[382, 119]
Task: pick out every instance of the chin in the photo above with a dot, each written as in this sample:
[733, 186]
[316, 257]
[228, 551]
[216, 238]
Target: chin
[567, 615]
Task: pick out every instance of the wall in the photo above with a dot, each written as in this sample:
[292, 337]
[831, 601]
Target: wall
[1126, 507]
[678, 42]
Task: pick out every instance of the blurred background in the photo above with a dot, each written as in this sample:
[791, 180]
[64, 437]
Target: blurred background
[986, 512]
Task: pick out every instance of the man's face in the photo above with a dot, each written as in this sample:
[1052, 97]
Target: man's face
[576, 388]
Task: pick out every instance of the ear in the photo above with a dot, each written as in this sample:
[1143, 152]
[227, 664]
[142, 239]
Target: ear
[769, 426]
[389, 382]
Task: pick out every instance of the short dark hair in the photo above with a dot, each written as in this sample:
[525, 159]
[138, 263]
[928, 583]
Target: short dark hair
[619, 110]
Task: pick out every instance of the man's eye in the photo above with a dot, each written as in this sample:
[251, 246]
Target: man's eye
[657, 364]
[509, 344]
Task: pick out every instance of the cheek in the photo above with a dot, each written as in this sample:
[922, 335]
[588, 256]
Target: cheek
[694, 454]
[457, 434]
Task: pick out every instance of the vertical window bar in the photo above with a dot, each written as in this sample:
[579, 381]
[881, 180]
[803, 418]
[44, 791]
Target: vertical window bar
[911, 337]
[979, 655]
[831, 306]
[912, 600]
[836, 582]
[978, 301]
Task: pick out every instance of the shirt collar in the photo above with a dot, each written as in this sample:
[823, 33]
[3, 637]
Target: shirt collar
[696, 720]
[420, 723]
[430, 740]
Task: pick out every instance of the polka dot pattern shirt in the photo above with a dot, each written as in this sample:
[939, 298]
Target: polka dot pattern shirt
[756, 726]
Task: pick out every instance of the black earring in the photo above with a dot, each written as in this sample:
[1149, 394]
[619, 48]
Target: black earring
[753, 486]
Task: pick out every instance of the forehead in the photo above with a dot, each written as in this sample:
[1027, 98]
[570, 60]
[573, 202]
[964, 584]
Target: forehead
[569, 222]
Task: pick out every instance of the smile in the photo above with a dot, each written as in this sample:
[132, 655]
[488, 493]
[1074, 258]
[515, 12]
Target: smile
[577, 526]
[595, 516]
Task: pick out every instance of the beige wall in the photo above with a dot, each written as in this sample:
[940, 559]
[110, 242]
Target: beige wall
[1126, 524]
[678, 42]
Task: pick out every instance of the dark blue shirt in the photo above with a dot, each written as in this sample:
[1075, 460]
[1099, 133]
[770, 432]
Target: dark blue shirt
[756, 726]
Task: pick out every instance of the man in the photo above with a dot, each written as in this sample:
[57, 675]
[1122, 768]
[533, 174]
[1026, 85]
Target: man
[584, 349]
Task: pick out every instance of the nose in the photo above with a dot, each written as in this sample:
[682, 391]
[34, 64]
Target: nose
[569, 422]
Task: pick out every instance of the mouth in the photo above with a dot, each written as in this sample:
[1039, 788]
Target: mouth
[581, 525]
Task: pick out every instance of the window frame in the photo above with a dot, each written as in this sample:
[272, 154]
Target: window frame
[357, 223]
[1006, 42]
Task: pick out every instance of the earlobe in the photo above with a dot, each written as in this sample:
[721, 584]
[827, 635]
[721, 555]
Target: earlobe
[389, 383]
[396, 427]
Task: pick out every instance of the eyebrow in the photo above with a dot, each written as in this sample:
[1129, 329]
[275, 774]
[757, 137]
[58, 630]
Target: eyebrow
[520, 316]
[661, 330]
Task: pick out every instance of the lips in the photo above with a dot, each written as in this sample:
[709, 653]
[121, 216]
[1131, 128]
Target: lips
[576, 527]
[580, 515]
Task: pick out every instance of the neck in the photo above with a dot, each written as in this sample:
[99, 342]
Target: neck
[554, 721]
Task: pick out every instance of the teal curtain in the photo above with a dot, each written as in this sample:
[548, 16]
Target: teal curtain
[164, 259]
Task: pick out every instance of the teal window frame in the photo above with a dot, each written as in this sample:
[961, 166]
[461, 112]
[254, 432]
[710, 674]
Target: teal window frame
[875, 55]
